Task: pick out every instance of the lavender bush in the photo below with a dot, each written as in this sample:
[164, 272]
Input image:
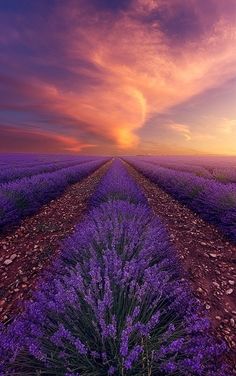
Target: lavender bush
[225, 175]
[214, 201]
[32, 159]
[23, 197]
[180, 166]
[13, 173]
[222, 169]
[117, 185]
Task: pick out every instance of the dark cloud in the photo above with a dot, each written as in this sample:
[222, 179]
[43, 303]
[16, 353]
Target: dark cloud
[27, 6]
[183, 24]
[184, 20]
[18, 140]
[111, 5]
[44, 6]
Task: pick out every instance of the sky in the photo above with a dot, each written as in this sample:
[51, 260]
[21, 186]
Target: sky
[118, 76]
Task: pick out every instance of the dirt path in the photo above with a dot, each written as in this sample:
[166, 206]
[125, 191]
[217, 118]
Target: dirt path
[207, 257]
[29, 248]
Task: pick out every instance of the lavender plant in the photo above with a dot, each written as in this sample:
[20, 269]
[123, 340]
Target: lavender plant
[117, 185]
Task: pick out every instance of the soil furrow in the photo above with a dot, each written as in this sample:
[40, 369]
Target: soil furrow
[28, 249]
[208, 259]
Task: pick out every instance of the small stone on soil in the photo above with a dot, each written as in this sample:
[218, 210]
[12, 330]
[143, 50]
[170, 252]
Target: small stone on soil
[7, 262]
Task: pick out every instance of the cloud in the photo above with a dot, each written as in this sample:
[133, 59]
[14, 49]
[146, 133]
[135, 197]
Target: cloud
[22, 139]
[226, 126]
[213, 134]
[183, 129]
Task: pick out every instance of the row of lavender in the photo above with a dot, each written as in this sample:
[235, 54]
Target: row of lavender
[23, 197]
[221, 169]
[115, 302]
[10, 173]
[30, 159]
[214, 201]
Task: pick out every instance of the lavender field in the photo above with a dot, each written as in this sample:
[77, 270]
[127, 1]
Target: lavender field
[114, 295]
[207, 186]
[24, 189]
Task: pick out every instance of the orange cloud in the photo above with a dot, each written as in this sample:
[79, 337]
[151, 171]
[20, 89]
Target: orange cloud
[139, 74]
[69, 143]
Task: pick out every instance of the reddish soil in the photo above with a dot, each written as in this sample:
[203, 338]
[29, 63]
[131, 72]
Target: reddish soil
[29, 248]
[208, 258]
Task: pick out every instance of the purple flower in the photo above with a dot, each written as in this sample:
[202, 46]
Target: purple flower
[80, 347]
[61, 334]
[111, 370]
[132, 356]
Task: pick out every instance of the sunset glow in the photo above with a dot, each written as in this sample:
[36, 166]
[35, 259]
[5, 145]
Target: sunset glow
[118, 77]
